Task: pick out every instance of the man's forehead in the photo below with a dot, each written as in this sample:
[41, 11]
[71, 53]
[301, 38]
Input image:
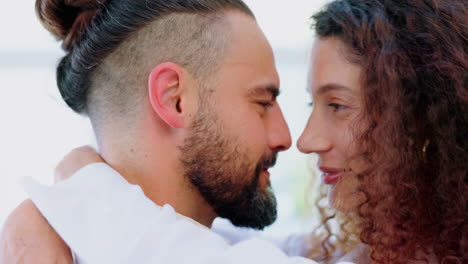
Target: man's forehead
[259, 77]
[248, 46]
[249, 61]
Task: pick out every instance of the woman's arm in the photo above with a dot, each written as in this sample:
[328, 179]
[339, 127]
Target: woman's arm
[27, 237]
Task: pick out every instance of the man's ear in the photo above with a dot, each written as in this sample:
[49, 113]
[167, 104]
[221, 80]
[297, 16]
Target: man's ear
[165, 88]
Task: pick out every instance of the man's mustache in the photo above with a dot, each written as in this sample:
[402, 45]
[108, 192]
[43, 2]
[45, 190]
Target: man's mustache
[268, 161]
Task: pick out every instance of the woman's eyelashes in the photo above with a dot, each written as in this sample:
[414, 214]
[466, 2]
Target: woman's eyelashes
[336, 107]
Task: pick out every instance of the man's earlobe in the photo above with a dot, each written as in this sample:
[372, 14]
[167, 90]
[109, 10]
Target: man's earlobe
[165, 93]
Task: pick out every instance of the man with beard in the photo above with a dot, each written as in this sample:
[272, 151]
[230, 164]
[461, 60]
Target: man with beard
[182, 99]
[220, 169]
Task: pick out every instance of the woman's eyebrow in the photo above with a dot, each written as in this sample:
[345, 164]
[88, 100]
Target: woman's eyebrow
[331, 87]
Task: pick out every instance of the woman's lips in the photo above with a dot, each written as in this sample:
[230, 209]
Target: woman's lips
[331, 175]
[331, 178]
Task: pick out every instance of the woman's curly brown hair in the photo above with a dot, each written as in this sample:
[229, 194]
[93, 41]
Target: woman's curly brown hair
[415, 77]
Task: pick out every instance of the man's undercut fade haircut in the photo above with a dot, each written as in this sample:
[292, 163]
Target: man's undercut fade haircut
[111, 46]
[119, 84]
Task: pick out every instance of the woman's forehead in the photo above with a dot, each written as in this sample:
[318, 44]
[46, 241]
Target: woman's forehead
[330, 70]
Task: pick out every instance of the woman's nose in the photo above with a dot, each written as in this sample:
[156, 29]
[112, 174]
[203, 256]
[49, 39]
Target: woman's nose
[314, 138]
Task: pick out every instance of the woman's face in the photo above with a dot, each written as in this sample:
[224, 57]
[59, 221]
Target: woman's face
[335, 87]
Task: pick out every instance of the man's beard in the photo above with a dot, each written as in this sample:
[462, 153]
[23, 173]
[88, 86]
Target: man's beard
[222, 173]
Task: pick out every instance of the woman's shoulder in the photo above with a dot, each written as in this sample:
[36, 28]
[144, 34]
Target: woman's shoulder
[27, 237]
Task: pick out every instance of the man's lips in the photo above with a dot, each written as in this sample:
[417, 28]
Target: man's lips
[331, 175]
[264, 179]
[265, 170]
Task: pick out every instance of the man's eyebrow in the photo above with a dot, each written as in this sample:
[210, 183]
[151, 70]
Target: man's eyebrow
[270, 89]
[331, 87]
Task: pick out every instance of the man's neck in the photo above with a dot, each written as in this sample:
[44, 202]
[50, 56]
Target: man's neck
[162, 182]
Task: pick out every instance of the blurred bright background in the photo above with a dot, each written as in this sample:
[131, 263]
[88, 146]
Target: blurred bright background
[37, 129]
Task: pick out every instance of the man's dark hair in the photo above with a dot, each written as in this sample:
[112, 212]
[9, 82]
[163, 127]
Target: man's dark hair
[111, 46]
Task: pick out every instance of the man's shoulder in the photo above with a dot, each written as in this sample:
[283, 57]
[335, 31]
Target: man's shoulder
[27, 237]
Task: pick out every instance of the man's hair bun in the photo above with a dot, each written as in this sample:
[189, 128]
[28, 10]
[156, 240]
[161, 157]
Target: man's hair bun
[67, 19]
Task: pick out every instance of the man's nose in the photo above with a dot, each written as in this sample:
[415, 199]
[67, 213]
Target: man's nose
[279, 137]
[314, 138]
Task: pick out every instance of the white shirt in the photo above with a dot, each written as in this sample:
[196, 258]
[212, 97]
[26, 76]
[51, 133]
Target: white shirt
[105, 219]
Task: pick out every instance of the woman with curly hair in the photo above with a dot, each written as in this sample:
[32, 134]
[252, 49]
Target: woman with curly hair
[389, 83]
[388, 80]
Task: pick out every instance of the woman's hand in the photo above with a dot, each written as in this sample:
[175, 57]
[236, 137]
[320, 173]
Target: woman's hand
[75, 160]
